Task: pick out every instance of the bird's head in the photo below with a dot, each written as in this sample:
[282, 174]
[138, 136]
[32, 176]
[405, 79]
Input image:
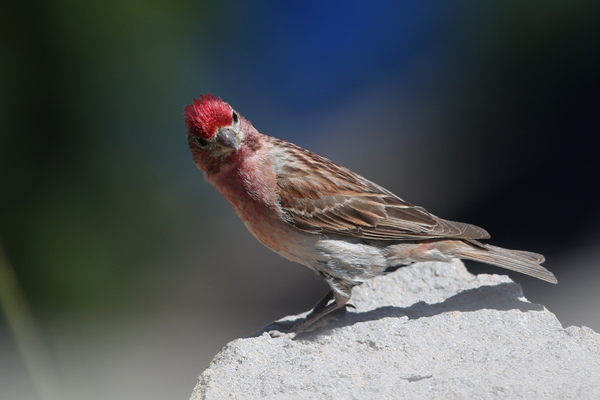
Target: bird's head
[214, 129]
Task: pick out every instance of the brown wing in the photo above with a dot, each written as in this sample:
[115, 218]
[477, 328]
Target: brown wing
[319, 196]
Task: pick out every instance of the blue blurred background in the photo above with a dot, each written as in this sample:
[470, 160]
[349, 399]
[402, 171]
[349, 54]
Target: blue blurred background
[137, 272]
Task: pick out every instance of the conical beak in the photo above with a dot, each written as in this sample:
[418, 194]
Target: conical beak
[227, 140]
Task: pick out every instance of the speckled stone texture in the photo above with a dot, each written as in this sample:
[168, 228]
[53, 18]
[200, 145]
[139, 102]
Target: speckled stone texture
[428, 331]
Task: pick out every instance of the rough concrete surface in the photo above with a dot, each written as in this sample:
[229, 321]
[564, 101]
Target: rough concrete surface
[428, 331]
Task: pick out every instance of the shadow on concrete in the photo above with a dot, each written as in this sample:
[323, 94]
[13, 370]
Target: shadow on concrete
[502, 297]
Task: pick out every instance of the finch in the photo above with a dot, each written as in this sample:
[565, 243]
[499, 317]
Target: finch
[313, 211]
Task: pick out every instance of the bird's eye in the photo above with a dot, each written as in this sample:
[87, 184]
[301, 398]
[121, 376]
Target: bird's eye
[200, 142]
[235, 117]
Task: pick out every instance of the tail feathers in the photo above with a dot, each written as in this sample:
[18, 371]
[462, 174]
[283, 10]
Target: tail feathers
[524, 262]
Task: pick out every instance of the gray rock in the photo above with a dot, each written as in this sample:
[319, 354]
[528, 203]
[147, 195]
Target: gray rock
[431, 330]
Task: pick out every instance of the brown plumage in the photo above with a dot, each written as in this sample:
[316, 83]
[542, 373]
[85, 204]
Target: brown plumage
[320, 214]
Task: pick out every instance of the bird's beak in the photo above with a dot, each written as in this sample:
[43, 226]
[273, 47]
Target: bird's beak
[227, 140]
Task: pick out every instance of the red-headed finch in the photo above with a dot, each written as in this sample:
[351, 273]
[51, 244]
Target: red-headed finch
[315, 212]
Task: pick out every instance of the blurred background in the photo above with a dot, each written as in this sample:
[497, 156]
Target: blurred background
[123, 273]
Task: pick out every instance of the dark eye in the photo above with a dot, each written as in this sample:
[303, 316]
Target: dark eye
[235, 117]
[200, 142]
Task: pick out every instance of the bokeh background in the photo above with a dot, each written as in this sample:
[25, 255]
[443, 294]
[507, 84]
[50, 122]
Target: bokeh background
[135, 272]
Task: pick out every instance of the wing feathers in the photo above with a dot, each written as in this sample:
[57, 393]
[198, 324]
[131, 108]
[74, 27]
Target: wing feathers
[320, 196]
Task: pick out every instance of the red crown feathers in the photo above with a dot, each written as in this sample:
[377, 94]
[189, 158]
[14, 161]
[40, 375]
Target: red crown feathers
[204, 116]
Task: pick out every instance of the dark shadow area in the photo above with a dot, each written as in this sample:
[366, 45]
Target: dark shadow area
[501, 297]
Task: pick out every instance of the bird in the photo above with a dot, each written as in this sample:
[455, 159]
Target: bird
[315, 212]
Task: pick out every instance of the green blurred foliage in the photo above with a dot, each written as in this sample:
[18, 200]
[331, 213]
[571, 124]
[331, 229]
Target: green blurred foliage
[87, 107]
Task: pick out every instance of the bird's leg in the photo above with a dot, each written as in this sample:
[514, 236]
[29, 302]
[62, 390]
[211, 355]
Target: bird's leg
[340, 298]
[315, 316]
[322, 308]
[319, 310]
[322, 303]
